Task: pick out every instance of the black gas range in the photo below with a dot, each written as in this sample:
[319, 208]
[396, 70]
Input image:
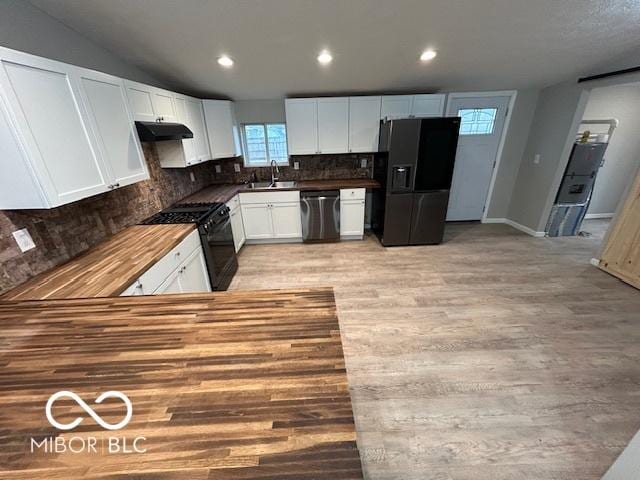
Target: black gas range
[214, 226]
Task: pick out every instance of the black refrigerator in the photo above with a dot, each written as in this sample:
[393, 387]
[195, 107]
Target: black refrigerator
[414, 166]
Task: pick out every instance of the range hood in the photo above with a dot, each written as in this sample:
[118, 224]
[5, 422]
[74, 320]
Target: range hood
[162, 131]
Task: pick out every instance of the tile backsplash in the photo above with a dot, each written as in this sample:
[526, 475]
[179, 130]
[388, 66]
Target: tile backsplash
[312, 167]
[64, 232]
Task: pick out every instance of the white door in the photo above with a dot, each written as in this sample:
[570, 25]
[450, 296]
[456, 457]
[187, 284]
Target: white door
[352, 218]
[220, 127]
[364, 124]
[45, 98]
[256, 219]
[193, 274]
[480, 133]
[396, 106]
[237, 228]
[286, 220]
[428, 105]
[118, 140]
[333, 125]
[197, 125]
[188, 145]
[141, 101]
[163, 105]
[302, 125]
[170, 285]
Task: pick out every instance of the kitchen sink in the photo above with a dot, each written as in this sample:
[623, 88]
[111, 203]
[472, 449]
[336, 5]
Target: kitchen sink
[269, 185]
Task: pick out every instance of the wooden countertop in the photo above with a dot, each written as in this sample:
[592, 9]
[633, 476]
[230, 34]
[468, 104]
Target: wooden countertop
[227, 385]
[225, 192]
[106, 270]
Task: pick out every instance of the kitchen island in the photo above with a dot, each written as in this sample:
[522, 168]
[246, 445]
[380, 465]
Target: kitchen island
[229, 385]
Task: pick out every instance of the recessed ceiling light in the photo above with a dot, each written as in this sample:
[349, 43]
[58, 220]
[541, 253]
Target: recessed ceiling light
[225, 61]
[428, 55]
[325, 57]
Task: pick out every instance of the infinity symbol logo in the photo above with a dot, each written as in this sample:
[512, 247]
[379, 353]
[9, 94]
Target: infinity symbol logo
[89, 410]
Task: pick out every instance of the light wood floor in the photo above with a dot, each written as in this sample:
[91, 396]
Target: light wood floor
[494, 356]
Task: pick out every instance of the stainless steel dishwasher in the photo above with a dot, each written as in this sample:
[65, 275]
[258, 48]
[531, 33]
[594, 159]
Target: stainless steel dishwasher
[320, 216]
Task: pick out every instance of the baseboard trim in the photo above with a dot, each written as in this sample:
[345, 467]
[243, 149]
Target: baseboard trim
[593, 216]
[516, 225]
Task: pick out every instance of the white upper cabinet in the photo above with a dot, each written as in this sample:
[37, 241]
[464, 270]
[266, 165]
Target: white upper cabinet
[333, 125]
[302, 125]
[57, 117]
[141, 101]
[428, 105]
[117, 137]
[190, 151]
[164, 105]
[197, 125]
[222, 128]
[396, 106]
[364, 124]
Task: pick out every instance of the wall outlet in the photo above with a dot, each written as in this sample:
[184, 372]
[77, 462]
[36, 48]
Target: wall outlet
[363, 163]
[24, 240]
[218, 169]
[296, 165]
[236, 167]
[536, 159]
[192, 176]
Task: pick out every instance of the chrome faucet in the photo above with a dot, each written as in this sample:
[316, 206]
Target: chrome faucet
[273, 173]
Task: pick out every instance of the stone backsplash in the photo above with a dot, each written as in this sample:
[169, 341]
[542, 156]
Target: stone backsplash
[64, 232]
[312, 167]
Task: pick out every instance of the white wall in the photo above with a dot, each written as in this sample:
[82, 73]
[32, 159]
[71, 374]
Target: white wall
[260, 111]
[26, 28]
[514, 145]
[623, 153]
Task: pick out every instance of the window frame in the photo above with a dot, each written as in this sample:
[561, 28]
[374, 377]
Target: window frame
[245, 148]
[492, 123]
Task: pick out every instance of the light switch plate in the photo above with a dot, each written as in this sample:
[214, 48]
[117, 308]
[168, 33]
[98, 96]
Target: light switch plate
[296, 165]
[218, 169]
[236, 167]
[536, 159]
[192, 176]
[363, 163]
[24, 240]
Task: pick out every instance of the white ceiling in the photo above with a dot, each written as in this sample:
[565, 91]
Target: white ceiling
[482, 44]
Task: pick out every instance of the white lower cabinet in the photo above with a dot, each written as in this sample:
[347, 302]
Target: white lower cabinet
[352, 203]
[182, 270]
[237, 226]
[271, 216]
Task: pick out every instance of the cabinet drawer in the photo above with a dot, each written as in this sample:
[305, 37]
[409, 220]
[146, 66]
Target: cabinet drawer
[158, 273]
[269, 197]
[352, 194]
[234, 203]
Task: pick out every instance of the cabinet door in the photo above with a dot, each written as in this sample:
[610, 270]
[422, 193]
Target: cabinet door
[45, 99]
[333, 125]
[256, 219]
[117, 138]
[364, 124]
[141, 101]
[302, 126]
[286, 220]
[197, 126]
[220, 127]
[193, 276]
[237, 228]
[396, 106]
[431, 105]
[170, 285]
[352, 218]
[190, 154]
[163, 105]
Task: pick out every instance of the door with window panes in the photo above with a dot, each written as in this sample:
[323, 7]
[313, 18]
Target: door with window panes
[480, 133]
[264, 142]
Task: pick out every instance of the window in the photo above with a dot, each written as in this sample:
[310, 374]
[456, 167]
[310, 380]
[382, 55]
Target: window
[477, 121]
[264, 142]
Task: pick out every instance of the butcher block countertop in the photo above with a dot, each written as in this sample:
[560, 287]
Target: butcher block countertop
[107, 269]
[227, 385]
[225, 192]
